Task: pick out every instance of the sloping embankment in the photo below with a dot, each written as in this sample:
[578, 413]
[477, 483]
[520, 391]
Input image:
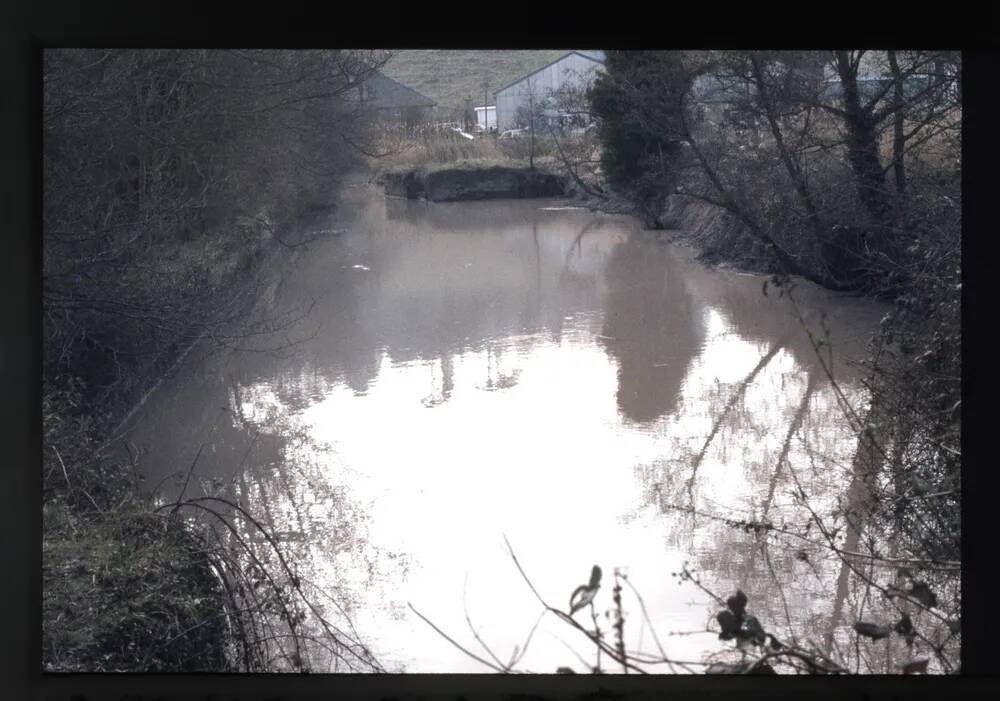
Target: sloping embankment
[470, 182]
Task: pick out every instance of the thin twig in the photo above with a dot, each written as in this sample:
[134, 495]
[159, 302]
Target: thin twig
[460, 647]
[188, 479]
[65, 474]
[649, 622]
[521, 570]
[472, 628]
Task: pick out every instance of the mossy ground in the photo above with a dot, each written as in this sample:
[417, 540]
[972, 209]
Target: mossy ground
[127, 590]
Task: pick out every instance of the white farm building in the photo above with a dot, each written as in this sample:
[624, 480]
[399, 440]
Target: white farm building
[486, 117]
[530, 92]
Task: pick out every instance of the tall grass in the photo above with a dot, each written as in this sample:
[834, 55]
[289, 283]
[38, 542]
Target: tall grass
[196, 585]
[430, 147]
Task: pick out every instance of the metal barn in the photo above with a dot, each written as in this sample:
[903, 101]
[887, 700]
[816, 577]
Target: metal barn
[578, 68]
[392, 101]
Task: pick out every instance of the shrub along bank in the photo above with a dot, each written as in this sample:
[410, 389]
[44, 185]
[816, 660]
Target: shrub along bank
[169, 177]
[843, 168]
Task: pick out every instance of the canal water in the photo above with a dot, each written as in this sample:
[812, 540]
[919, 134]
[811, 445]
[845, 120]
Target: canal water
[432, 379]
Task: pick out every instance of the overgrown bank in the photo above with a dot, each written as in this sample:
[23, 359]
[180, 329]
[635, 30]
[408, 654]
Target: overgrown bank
[843, 168]
[169, 179]
[128, 586]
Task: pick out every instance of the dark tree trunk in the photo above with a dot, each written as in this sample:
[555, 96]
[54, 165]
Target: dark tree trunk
[898, 141]
[862, 142]
[791, 166]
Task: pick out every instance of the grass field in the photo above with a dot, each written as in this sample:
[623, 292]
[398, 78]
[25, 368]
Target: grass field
[450, 76]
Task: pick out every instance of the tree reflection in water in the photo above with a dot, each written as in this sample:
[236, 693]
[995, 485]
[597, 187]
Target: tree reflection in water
[594, 393]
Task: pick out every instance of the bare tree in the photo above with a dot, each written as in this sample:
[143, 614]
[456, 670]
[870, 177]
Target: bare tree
[531, 114]
[577, 152]
[147, 153]
[816, 160]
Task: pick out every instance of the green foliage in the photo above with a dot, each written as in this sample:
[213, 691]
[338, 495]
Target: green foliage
[637, 103]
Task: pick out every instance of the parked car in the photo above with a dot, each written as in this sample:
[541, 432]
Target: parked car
[513, 133]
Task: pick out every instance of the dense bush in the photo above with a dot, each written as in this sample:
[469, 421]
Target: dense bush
[634, 155]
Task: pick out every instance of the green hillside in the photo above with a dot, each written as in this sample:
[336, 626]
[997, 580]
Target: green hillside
[450, 76]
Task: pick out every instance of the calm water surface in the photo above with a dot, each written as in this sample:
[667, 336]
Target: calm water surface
[461, 372]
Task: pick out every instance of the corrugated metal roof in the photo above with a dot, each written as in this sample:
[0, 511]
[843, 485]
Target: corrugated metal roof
[596, 56]
[391, 93]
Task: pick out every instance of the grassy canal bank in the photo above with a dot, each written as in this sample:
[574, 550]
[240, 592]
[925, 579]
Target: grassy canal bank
[130, 584]
[127, 588]
[170, 178]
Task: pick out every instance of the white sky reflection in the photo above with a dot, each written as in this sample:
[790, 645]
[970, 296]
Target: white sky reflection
[553, 380]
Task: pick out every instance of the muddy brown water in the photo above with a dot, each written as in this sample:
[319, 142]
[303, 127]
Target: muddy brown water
[439, 376]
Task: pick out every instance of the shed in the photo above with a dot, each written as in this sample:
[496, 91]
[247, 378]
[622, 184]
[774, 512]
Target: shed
[486, 117]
